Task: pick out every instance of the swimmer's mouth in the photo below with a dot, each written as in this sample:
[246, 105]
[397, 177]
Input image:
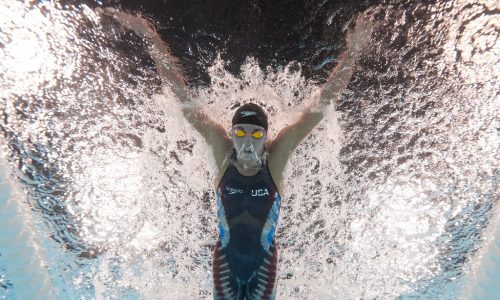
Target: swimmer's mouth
[247, 152]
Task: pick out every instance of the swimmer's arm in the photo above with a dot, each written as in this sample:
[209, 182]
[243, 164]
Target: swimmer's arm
[287, 140]
[341, 75]
[171, 75]
[214, 134]
[290, 137]
[166, 64]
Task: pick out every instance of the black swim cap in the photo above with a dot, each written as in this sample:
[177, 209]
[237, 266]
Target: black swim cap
[250, 114]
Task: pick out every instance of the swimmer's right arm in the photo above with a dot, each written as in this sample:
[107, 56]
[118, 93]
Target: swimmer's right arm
[171, 75]
[214, 134]
[166, 64]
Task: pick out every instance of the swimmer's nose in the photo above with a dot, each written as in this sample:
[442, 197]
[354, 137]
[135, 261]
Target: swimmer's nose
[247, 147]
[247, 139]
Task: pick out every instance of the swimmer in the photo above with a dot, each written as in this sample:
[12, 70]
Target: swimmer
[250, 168]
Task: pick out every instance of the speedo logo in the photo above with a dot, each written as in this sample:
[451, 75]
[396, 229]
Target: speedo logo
[247, 113]
[232, 191]
[254, 193]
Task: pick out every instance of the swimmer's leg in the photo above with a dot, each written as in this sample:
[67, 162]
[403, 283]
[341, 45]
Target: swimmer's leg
[225, 285]
[263, 285]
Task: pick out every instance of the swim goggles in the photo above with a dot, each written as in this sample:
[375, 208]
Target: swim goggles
[241, 133]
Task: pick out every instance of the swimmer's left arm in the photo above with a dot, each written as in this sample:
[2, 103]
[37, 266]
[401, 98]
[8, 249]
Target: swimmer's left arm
[290, 137]
[341, 75]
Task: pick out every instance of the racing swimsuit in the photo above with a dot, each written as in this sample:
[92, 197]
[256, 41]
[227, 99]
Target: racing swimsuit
[245, 256]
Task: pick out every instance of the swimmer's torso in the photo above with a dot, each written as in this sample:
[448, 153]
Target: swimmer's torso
[247, 211]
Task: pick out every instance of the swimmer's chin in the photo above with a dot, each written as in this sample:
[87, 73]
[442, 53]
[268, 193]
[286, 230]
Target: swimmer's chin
[248, 169]
[249, 162]
[247, 155]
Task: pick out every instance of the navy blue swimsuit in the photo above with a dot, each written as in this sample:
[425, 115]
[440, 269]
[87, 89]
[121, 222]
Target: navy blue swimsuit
[245, 256]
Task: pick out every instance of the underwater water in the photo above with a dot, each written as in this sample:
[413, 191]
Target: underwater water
[108, 192]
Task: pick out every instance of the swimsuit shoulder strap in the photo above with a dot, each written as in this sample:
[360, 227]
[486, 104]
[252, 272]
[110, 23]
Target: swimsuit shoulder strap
[230, 158]
[264, 159]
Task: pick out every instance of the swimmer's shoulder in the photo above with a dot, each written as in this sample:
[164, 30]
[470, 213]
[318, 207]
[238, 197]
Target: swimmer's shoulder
[222, 169]
[275, 170]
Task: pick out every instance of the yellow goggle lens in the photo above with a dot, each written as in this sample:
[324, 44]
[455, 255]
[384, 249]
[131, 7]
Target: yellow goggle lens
[240, 133]
[258, 134]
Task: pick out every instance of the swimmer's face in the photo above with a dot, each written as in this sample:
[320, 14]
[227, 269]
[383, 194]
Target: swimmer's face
[250, 146]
